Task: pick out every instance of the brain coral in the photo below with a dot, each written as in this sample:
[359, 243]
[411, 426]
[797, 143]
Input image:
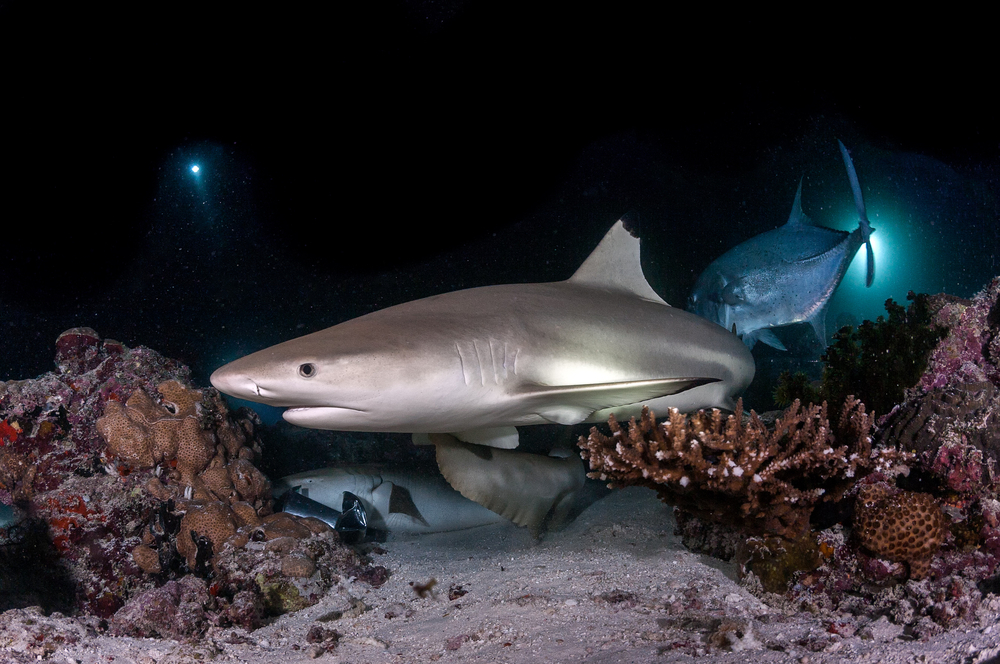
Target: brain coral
[902, 526]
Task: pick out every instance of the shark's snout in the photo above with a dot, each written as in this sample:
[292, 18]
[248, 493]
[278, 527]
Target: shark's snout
[235, 384]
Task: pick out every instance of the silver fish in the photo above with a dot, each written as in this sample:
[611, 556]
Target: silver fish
[783, 276]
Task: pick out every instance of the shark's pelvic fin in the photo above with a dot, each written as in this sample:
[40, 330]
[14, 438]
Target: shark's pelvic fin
[572, 404]
[615, 265]
[529, 489]
[504, 438]
[859, 203]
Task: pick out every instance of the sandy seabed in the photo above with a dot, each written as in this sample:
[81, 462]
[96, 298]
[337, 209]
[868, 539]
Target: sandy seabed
[614, 586]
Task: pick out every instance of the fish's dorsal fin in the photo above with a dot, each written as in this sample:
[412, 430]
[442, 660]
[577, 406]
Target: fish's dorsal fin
[798, 217]
[614, 264]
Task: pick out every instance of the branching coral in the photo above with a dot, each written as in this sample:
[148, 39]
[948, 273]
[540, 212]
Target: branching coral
[707, 462]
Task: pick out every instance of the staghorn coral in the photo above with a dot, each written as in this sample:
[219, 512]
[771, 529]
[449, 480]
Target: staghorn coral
[707, 462]
[902, 526]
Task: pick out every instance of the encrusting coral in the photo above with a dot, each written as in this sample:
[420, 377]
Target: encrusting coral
[707, 463]
[178, 433]
[902, 526]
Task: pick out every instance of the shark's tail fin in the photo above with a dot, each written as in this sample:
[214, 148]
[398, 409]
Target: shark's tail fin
[859, 203]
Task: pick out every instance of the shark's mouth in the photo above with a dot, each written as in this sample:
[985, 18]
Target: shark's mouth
[326, 417]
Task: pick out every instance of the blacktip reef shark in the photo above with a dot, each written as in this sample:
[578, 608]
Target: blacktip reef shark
[463, 369]
[783, 276]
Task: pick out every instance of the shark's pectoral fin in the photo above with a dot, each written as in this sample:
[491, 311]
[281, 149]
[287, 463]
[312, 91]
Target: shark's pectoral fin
[566, 414]
[572, 404]
[529, 489]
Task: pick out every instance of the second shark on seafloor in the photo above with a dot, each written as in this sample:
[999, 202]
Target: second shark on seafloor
[463, 369]
[783, 276]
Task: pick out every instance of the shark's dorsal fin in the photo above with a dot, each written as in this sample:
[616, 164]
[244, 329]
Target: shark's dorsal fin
[615, 265]
[401, 502]
[798, 217]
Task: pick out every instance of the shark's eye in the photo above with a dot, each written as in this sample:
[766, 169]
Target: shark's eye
[307, 370]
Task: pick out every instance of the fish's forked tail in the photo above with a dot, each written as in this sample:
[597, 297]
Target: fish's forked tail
[863, 223]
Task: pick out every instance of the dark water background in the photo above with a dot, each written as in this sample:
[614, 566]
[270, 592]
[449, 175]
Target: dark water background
[356, 158]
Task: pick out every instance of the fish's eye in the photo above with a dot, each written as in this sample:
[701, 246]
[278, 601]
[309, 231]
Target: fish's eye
[307, 370]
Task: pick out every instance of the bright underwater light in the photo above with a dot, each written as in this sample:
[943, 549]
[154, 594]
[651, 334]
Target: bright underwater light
[899, 268]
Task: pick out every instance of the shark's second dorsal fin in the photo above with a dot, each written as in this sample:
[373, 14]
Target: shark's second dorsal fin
[614, 264]
[798, 217]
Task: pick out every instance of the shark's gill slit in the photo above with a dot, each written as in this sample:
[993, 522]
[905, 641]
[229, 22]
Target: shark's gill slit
[496, 356]
[480, 359]
[461, 360]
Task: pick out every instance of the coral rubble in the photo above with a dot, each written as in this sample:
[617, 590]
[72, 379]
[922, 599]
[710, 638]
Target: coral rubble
[707, 463]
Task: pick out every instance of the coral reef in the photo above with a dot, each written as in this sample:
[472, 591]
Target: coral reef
[271, 573]
[971, 350]
[142, 492]
[52, 468]
[911, 531]
[776, 560]
[954, 431]
[707, 463]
